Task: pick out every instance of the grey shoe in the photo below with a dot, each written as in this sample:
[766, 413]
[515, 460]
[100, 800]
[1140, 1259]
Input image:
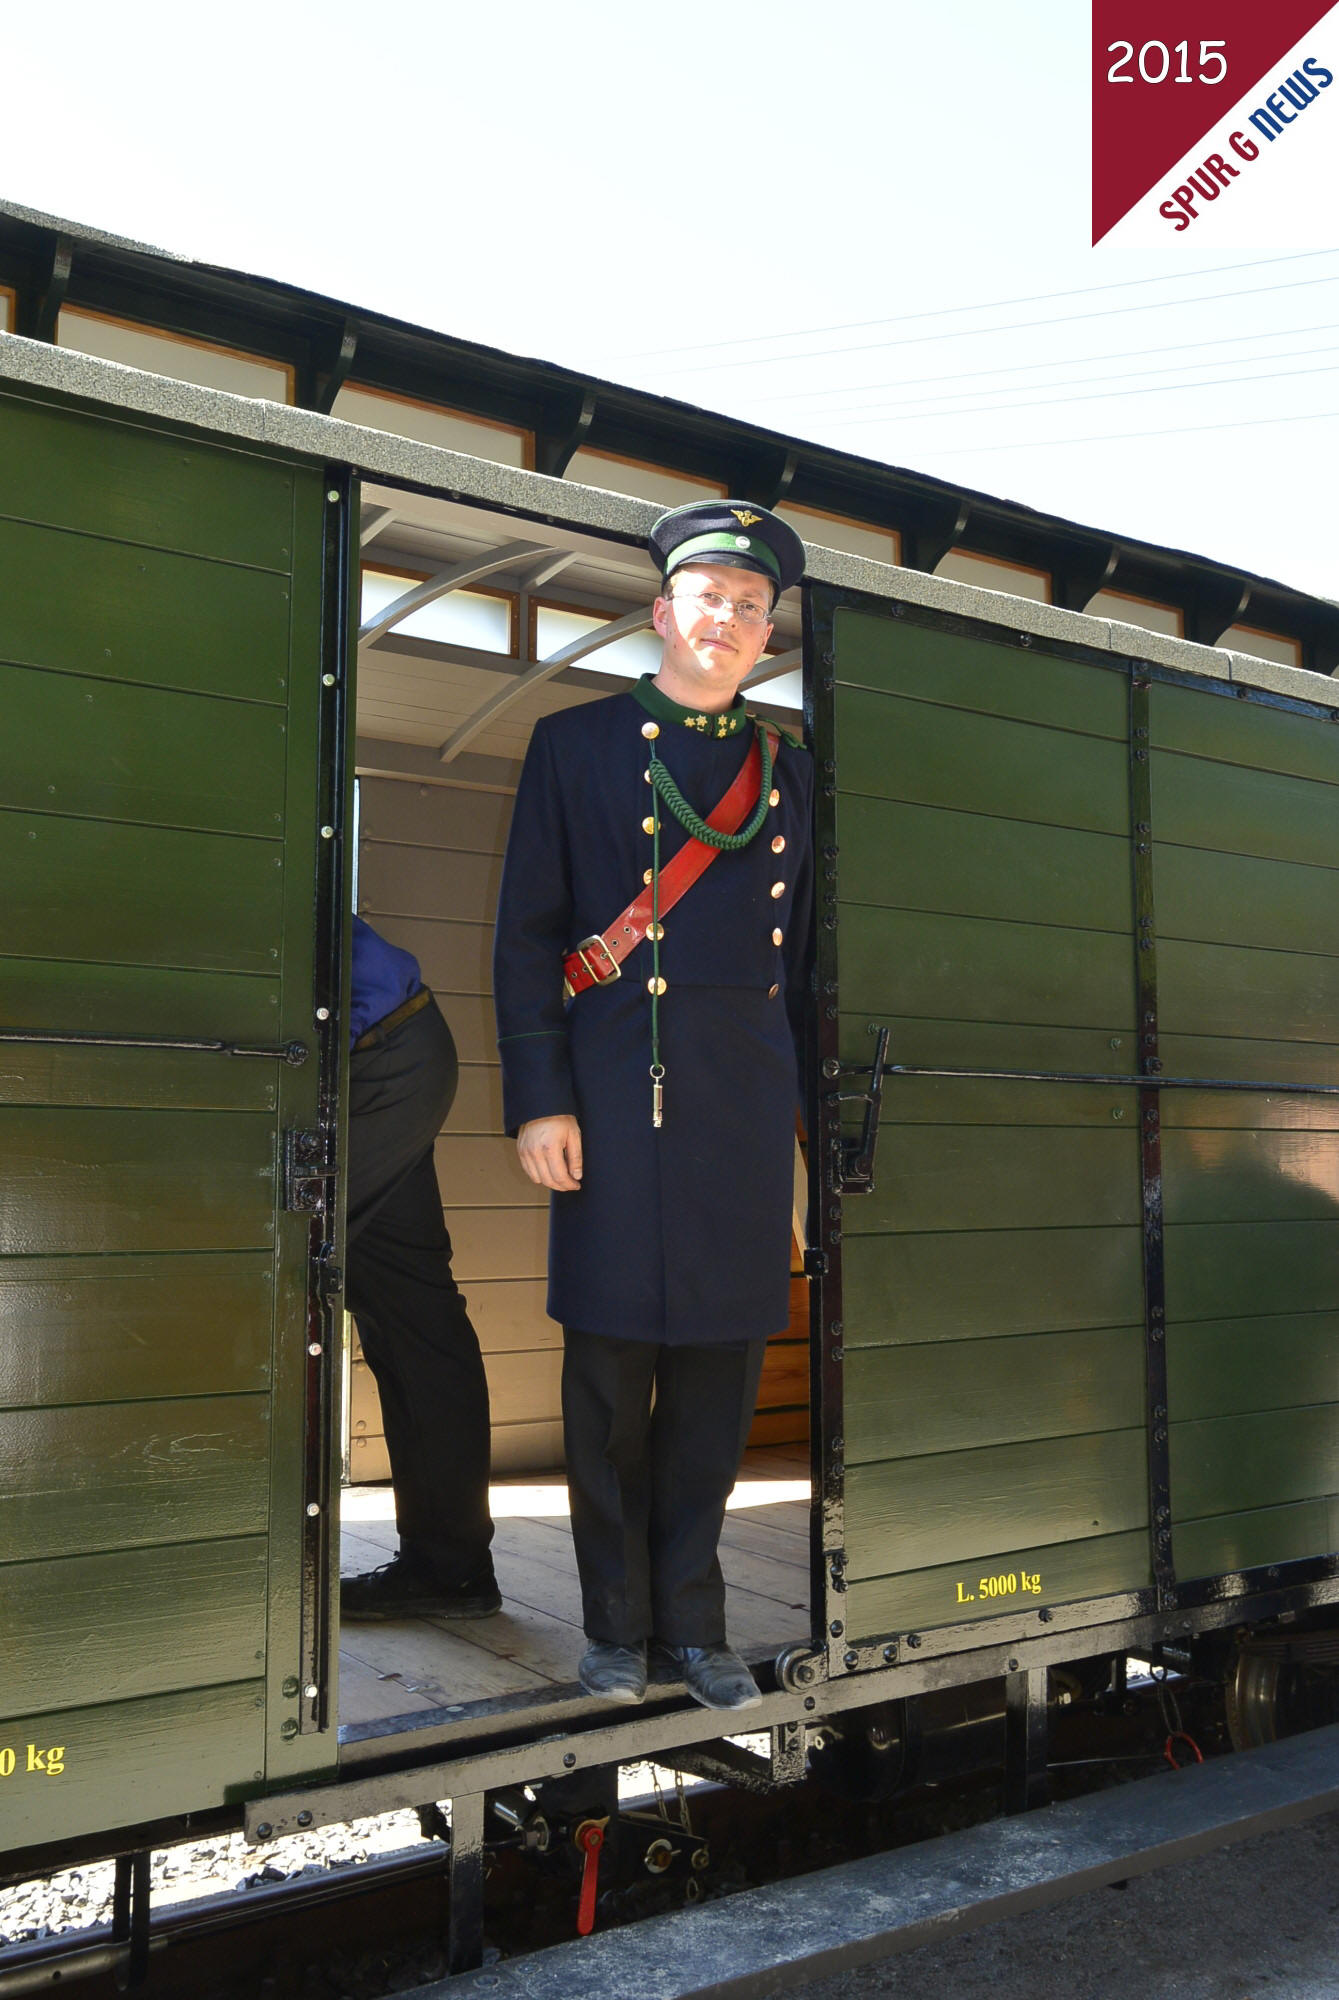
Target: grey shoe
[713, 1675]
[613, 1673]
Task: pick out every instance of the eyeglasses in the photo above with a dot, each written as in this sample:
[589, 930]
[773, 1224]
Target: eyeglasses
[749, 612]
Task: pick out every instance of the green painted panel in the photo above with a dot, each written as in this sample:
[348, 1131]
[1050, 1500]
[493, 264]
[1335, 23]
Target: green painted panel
[920, 1513]
[893, 749]
[1235, 899]
[1242, 732]
[1232, 1464]
[903, 1402]
[112, 1329]
[1231, 1269]
[1231, 1542]
[1226, 1367]
[86, 606]
[1237, 811]
[914, 857]
[146, 1621]
[900, 962]
[873, 651]
[80, 1181]
[131, 482]
[998, 1045]
[146, 1079]
[74, 998]
[75, 745]
[131, 1475]
[1256, 1110]
[1246, 1176]
[954, 1594]
[144, 895]
[992, 1282]
[954, 1177]
[126, 1762]
[914, 1101]
[1270, 996]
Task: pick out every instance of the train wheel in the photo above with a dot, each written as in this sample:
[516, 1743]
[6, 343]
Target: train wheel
[1272, 1693]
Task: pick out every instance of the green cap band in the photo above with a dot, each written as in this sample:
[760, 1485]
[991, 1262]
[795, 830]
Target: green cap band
[727, 545]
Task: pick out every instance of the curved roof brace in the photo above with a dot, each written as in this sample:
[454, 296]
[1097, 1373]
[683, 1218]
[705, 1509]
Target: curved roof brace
[542, 670]
[469, 570]
[772, 666]
[373, 521]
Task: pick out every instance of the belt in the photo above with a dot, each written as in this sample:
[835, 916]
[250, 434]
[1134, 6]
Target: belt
[372, 1037]
[598, 959]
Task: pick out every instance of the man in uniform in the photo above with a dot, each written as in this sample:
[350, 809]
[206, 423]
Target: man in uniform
[649, 1062]
[416, 1334]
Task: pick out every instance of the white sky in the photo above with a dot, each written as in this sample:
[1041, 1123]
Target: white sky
[595, 181]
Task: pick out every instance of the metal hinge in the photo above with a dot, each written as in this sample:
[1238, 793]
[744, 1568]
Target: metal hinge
[306, 1169]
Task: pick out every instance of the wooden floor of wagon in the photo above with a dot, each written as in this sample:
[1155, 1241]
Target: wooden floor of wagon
[535, 1640]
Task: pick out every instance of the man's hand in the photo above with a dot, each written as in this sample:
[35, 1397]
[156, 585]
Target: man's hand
[550, 1151]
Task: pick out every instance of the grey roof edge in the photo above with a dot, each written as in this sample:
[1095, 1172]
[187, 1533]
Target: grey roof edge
[821, 454]
[381, 455]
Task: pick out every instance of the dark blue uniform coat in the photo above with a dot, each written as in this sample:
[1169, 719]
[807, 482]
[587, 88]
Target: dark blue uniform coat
[679, 1234]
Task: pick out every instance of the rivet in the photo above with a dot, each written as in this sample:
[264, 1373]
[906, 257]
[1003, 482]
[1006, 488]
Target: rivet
[304, 1819]
[774, 797]
[310, 1691]
[913, 1640]
[288, 1731]
[313, 1347]
[648, 825]
[333, 496]
[323, 1013]
[569, 1761]
[656, 986]
[836, 1628]
[264, 1830]
[779, 844]
[778, 889]
[852, 1659]
[312, 1508]
[651, 729]
[327, 680]
[327, 833]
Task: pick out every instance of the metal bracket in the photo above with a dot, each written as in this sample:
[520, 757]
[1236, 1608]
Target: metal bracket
[306, 1171]
[857, 1154]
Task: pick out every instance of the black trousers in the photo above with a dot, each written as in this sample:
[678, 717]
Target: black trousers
[415, 1331]
[649, 1479]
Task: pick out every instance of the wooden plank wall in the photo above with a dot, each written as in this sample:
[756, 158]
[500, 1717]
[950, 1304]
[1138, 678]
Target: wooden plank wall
[430, 859]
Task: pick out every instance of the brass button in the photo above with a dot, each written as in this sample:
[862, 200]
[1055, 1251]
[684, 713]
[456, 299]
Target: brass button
[778, 889]
[779, 844]
[648, 825]
[650, 729]
[655, 932]
[647, 775]
[774, 797]
[656, 986]
[646, 876]
[772, 992]
[778, 937]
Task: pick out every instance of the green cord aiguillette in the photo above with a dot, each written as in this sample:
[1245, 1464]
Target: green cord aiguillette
[664, 787]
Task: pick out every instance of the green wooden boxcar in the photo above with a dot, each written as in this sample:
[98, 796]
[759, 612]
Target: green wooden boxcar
[1074, 1361]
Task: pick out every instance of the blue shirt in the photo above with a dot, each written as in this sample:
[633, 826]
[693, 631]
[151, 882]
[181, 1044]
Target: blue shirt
[384, 977]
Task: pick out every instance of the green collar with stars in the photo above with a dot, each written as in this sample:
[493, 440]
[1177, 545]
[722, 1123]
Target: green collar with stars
[659, 706]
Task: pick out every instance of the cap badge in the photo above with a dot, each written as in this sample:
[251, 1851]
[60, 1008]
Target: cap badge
[744, 517]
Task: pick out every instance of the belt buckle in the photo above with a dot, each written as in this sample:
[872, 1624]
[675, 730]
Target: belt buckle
[601, 978]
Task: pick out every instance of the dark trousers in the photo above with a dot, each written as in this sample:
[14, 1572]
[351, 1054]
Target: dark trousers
[649, 1480]
[416, 1334]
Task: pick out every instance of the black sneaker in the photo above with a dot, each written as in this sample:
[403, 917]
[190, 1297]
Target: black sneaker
[397, 1590]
